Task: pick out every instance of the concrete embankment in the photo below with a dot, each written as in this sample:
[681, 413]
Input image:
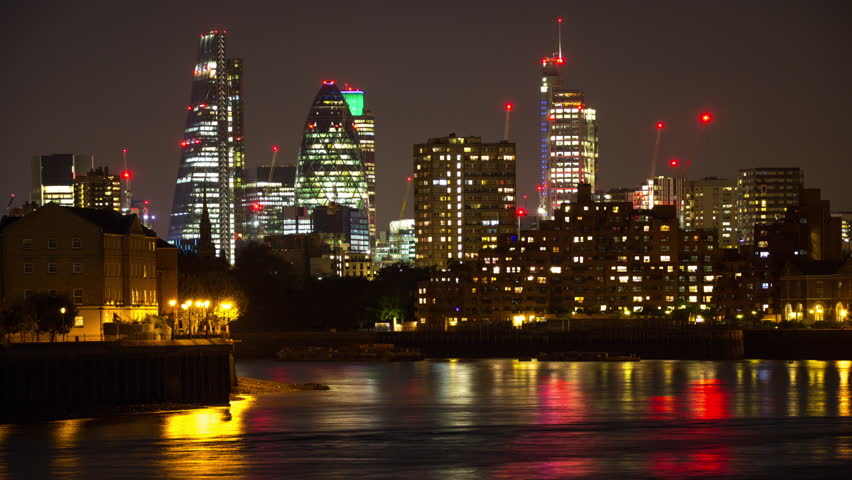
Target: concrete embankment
[72, 379]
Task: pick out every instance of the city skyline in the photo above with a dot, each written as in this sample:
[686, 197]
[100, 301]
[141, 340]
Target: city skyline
[660, 62]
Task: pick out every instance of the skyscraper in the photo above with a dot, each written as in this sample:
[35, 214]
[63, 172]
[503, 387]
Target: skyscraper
[267, 198]
[710, 204]
[464, 198]
[763, 195]
[331, 169]
[212, 158]
[53, 177]
[365, 126]
[569, 138]
[98, 189]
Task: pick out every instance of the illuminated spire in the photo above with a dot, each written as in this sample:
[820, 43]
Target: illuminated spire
[559, 34]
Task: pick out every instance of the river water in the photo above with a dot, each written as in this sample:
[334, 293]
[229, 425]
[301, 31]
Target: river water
[476, 419]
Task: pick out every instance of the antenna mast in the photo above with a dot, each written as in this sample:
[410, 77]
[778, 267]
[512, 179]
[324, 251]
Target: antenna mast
[559, 34]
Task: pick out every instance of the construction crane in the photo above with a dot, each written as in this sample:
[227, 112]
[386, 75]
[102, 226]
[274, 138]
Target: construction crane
[405, 197]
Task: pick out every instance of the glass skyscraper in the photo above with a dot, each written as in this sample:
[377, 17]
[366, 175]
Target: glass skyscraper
[331, 169]
[569, 139]
[212, 159]
[365, 125]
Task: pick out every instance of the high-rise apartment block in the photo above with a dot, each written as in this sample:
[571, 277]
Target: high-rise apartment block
[569, 139]
[212, 159]
[53, 177]
[710, 204]
[464, 198]
[594, 258]
[763, 195]
[98, 189]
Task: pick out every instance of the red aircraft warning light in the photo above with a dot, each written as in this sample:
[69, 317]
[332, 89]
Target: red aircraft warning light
[328, 82]
[539, 188]
[521, 212]
[660, 125]
[552, 117]
[560, 60]
[674, 162]
[183, 143]
[275, 148]
[256, 206]
[705, 118]
[126, 174]
[408, 179]
[508, 107]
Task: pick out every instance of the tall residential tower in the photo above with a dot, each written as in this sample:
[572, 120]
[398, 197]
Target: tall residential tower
[569, 137]
[212, 157]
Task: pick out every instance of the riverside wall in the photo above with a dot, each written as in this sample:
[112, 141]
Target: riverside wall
[45, 380]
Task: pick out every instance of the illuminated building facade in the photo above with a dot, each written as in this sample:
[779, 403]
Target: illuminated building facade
[845, 229]
[98, 189]
[267, 199]
[464, 198]
[365, 126]
[331, 170]
[763, 195]
[107, 263]
[212, 158]
[568, 146]
[572, 147]
[711, 205]
[53, 177]
[604, 258]
[397, 245]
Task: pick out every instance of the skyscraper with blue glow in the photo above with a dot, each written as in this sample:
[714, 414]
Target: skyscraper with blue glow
[212, 151]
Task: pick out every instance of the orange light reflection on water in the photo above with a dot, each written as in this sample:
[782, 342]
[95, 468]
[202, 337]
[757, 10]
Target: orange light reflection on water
[206, 441]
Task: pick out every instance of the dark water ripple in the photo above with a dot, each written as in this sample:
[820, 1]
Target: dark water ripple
[485, 419]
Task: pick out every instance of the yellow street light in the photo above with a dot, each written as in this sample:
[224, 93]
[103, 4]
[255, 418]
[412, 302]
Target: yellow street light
[184, 306]
[62, 310]
[199, 304]
[172, 302]
[206, 304]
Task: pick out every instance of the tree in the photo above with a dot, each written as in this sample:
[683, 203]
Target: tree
[11, 318]
[53, 314]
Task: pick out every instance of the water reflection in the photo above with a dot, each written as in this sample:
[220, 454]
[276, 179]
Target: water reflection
[475, 419]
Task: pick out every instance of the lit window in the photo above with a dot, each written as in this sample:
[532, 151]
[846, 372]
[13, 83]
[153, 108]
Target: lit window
[76, 243]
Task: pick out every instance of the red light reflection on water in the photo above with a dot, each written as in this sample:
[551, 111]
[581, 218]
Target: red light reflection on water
[704, 453]
[558, 402]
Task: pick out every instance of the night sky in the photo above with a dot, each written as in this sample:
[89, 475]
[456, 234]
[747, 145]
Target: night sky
[93, 77]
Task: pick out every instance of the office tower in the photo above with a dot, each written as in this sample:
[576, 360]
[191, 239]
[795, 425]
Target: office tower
[53, 177]
[267, 198]
[343, 228]
[331, 169]
[568, 138]
[98, 189]
[365, 126]
[763, 195]
[212, 159]
[711, 205]
[464, 198]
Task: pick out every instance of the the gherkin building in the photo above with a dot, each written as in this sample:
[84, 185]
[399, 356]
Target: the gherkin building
[330, 169]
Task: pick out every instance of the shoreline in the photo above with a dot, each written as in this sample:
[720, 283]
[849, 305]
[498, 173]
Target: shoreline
[245, 386]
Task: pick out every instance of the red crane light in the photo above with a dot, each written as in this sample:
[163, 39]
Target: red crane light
[275, 148]
[559, 20]
[539, 188]
[189, 108]
[147, 202]
[560, 60]
[705, 118]
[508, 107]
[123, 150]
[183, 143]
[126, 174]
[521, 212]
[408, 179]
[660, 125]
[674, 162]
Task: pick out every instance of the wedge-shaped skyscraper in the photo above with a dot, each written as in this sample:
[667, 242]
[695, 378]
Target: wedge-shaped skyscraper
[212, 157]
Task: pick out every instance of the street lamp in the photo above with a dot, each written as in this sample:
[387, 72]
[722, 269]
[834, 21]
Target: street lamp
[172, 304]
